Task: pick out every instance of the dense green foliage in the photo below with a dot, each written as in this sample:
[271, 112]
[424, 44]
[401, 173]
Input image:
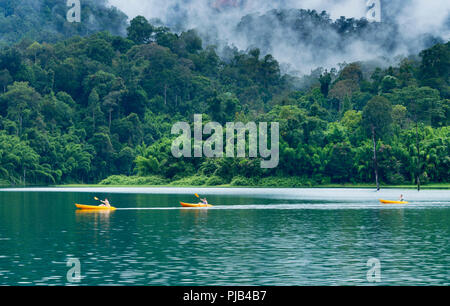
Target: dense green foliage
[82, 109]
[45, 20]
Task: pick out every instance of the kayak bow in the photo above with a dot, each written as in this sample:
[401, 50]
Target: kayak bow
[194, 205]
[393, 202]
[91, 207]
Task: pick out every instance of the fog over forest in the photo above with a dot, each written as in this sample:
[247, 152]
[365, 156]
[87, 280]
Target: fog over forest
[300, 39]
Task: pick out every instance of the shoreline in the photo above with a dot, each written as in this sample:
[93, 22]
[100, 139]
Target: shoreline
[441, 186]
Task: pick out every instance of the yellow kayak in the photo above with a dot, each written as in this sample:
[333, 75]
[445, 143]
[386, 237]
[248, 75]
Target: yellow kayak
[393, 202]
[91, 207]
[194, 205]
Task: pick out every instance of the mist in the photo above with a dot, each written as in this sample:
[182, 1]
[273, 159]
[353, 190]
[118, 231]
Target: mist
[294, 37]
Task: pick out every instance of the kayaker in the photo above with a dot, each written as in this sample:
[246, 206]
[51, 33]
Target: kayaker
[204, 201]
[401, 198]
[105, 203]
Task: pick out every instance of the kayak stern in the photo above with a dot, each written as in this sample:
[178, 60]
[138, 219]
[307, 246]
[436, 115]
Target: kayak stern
[92, 207]
[392, 202]
[194, 205]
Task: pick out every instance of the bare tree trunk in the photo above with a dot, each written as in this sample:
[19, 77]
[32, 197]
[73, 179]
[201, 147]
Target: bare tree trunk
[165, 94]
[93, 120]
[418, 158]
[110, 112]
[375, 162]
[20, 125]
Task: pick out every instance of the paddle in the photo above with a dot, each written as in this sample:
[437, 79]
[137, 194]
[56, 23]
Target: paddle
[97, 199]
[198, 197]
[103, 203]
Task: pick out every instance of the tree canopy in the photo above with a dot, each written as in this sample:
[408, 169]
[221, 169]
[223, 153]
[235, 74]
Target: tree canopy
[82, 109]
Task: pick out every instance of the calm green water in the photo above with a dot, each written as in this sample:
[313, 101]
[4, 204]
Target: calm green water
[251, 237]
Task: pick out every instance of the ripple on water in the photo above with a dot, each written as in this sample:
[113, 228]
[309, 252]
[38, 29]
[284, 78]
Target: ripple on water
[293, 237]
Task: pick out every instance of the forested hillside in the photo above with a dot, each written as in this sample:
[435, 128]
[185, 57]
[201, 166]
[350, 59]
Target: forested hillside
[45, 20]
[82, 109]
[309, 38]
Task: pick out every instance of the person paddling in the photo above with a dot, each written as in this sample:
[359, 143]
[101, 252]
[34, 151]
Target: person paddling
[401, 198]
[105, 203]
[202, 201]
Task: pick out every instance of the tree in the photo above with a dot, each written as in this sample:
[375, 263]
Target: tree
[125, 160]
[33, 50]
[416, 107]
[351, 72]
[100, 50]
[423, 104]
[343, 90]
[104, 154]
[128, 129]
[56, 112]
[11, 59]
[435, 67]
[68, 76]
[192, 43]
[377, 119]
[399, 116]
[94, 106]
[340, 164]
[19, 163]
[140, 30]
[5, 79]
[111, 102]
[146, 166]
[435, 62]
[388, 83]
[134, 100]
[76, 161]
[325, 81]
[23, 103]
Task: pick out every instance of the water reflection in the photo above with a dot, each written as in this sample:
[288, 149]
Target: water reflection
[94, 226]
[199, 214]
[94, 218]
[265, 238]
[86, 212]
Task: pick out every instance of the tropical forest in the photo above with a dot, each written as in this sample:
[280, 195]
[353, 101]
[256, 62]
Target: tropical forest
[94, 103]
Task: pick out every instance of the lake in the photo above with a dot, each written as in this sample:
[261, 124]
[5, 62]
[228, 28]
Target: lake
[251, 237]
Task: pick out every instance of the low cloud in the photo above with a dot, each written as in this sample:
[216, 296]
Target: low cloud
[407, 27]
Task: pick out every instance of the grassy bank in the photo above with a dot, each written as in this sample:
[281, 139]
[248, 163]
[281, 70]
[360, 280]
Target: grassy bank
[269, 182]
